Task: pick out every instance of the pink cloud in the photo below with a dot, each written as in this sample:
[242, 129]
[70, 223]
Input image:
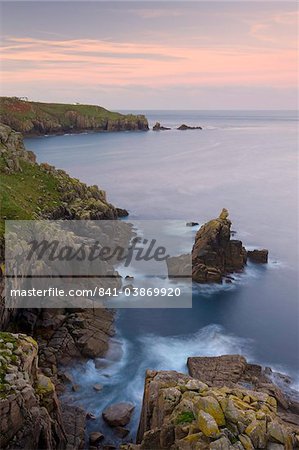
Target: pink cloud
[80, 61]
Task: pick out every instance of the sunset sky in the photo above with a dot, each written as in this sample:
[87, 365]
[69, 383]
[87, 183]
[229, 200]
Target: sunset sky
[152, 55]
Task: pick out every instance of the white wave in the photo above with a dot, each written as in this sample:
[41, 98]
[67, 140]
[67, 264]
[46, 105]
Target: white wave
[171, 352]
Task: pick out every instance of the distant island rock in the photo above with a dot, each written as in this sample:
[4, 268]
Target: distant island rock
[184, 127]
[159, 127]
[35, 118]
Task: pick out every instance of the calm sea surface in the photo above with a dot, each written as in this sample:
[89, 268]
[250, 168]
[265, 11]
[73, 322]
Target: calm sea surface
[244, 161]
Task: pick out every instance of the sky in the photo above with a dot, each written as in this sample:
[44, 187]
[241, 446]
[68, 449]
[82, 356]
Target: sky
[152, 55]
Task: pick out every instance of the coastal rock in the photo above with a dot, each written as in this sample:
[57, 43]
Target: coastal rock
[214, 253]
[219, 418]
[159, 127]
[119, 414]
[258, 256]
[192, 224]
[122, 212]
[30, 413]
[95, 437]
[35, 118]
[184, 127]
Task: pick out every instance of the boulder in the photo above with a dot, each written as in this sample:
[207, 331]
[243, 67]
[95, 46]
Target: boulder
[207, 425]
[95, 437]
[118, 414]
[258, 256]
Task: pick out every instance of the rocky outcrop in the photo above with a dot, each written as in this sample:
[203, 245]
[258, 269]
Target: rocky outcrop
[234, 370]
[258, 256]
[215, 254]
[30, 413]
[184, 413]
[34, 118]
[66, 335]
[12, 150]
[159, 127]
[184, 127]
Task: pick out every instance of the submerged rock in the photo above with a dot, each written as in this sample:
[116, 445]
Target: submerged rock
[119, 414]
[187, 127]
[159, 127]
[95, 437]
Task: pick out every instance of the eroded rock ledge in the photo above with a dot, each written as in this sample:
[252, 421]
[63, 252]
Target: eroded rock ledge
[181, 412]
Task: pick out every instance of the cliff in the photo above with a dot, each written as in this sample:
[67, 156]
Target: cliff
[181, 412]
[35, 118]
[29, 409]
[31, 416]
[30, 190]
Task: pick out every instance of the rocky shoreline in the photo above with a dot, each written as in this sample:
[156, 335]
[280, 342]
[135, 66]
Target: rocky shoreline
[223, 404]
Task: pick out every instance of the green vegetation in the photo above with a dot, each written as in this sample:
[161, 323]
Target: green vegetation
[26, 110]
[42, 118]
[6, 356]
[185, 417]
[24, 195]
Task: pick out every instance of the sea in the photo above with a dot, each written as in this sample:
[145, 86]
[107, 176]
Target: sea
[245, 161]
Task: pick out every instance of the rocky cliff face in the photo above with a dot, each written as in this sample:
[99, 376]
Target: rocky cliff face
[30, 413]
[34, 118]
[180, 412]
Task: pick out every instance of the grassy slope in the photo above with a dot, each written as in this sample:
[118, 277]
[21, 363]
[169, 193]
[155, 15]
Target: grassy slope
[26, 110]
[24, 194]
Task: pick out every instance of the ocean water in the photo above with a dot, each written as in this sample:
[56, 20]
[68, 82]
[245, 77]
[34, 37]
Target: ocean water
[244, 161]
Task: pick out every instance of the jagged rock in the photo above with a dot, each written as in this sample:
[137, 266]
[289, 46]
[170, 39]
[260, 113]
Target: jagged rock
[30, 413]
[159, 127]
[186, 127]
[122, 212]
[214, 254]
[258, 256]
[219, 418]
[119, 414]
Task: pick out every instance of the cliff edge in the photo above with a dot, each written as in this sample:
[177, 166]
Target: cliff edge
[35, 118]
